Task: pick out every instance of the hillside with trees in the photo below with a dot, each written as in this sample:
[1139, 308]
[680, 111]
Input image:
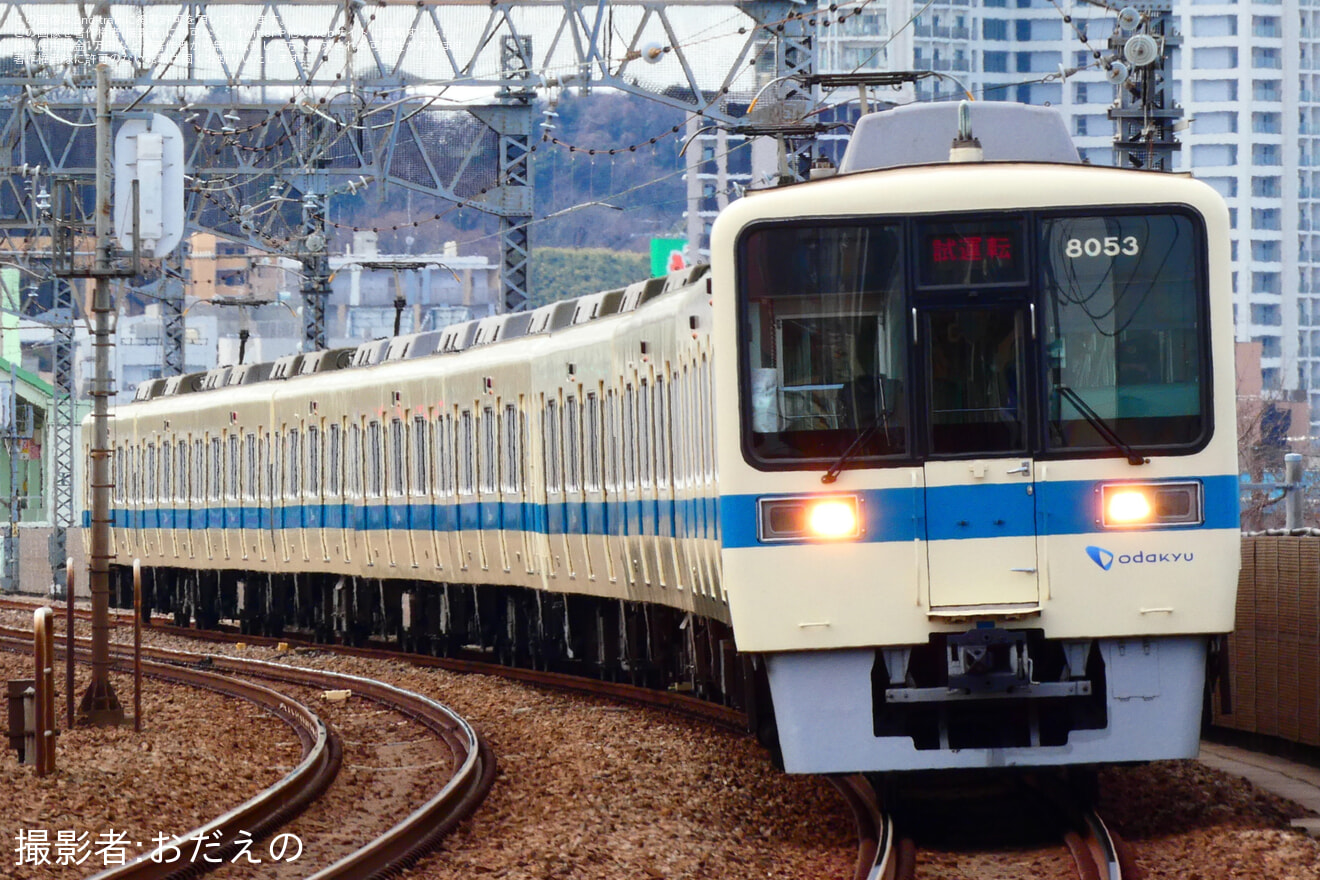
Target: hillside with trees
[564, 273]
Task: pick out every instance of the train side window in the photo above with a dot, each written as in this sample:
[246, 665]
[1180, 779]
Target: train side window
[467, 479]
[181, 469]
[645, 425]
[152, 479]
[487, 463]
[681, 427]
[572, 444]
[199, 470]
[694, 428]
[663, 438]
[231, 469]
[313, 461]
[398, 460]
[126, 473]
[629, 437]
[334, 456]
[510, 443]
[421, 454]
[592, 436]
[444, 455]
[707, 421]
[215, 468]
[266, 467]
[354, 463]
[293, 464]
[166, 472]
[611, 441]
[251, 484]
[375, 461]
[550, 442]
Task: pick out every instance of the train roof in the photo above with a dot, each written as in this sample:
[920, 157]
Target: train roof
[921, 134]
[455, 338]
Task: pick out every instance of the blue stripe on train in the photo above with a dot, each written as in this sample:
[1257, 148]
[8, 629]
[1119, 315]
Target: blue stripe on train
[1062, 508]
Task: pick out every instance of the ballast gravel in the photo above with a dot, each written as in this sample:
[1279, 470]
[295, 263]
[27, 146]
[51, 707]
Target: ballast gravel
[593, 790]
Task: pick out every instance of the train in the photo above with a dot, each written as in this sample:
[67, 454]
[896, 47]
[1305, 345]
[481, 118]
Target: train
[933, 466]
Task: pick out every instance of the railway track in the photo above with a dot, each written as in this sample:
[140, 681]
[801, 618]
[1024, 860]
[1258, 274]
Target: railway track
[884, 852]
[679, 703]
[1000, 825]
[397, 848]
[259, 815]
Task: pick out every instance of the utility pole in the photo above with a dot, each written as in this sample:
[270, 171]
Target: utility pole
[99, 704]
[15, 433]
[1145, 112]
[315, 267]
[513, 121]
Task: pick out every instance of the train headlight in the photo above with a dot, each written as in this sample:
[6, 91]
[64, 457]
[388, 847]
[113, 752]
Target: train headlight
[1129, 505]
[834, 518]
[809, 518]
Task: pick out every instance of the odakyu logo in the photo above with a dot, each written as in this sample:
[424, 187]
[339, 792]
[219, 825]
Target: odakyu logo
[1100, 557]
[1106, 558]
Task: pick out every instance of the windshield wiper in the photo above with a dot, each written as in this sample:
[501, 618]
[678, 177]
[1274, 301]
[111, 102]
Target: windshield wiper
[833, 473]
[880, 421]
[1101, 425]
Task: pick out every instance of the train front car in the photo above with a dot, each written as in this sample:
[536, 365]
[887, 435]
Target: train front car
[978, 501]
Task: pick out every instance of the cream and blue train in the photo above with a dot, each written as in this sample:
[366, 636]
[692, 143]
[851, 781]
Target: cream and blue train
[933, 468]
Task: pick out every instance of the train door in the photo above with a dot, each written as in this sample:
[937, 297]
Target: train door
[488, 486]
[265, 497]
[197, 515]
[979, 476]
[442, 488]
[315, 512]
[214, 510]
[558, 560]
[335, 508]
[594, 530]
[373, 491]
[575, 508]
[249, 533]
[354, 512]
[465, 519]
[632, 518]
[178, 505]
[513, 443]
[400, 494]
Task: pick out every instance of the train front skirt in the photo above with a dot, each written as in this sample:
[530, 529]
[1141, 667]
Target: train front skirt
[1139, 699]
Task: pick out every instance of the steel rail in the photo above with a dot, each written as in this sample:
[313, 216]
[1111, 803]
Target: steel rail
[257, 816]
[692, 707]
[881, 853]
[408, 840]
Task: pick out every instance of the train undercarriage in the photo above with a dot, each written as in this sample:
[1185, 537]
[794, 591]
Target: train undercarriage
[634, 642]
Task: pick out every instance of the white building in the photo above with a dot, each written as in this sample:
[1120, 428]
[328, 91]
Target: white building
[1248, 76]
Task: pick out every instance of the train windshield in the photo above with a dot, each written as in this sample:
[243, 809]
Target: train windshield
[825, 341]
[1124, 330]
[990, 335]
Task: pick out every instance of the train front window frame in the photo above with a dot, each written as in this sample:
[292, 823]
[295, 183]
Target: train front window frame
[795, 316]
[824, 341]
[1133, 348]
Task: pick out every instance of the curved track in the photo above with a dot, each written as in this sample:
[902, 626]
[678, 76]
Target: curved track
[883, 854]
[259, 815]
[395, 850]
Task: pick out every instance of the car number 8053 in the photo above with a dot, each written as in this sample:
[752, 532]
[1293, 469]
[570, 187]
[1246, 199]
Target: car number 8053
[1109, 246]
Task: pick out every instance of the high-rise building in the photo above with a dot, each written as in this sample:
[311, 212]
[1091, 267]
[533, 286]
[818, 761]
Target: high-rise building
[1248, 78]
